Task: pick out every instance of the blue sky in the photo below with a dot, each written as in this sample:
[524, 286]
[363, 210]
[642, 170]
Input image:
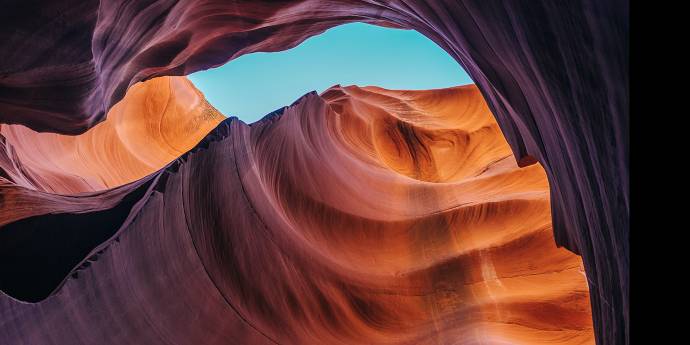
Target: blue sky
[352, 54]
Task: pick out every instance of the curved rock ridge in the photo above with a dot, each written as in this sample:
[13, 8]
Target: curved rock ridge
[555, 76]
[156, 122]
[360, 216]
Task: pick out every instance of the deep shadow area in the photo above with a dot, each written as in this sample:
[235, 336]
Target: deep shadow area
[37, 253]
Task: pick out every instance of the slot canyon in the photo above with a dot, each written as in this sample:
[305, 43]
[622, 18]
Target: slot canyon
[132, 211]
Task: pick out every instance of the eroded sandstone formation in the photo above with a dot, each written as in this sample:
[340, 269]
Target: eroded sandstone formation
[555, 75]
[155, 123]
[358, 216]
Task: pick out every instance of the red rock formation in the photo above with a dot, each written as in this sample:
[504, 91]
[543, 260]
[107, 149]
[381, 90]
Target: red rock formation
[361, 216]
[155, 123]
[554, 74]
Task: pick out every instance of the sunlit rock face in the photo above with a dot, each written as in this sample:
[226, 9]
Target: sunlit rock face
[359, 216]
[155, 123]
[554, 74]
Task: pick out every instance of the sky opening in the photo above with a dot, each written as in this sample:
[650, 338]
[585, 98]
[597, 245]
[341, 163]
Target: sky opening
[254, 85]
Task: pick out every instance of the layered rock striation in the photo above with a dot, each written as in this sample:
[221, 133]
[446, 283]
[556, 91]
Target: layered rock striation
[358, 216]
[555, 76]
[154, 124]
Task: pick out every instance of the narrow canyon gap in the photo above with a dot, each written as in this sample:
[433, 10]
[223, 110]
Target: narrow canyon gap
[361, 54]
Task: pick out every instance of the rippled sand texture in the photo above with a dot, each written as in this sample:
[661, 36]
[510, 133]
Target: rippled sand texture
[156, 122]
[361, 216]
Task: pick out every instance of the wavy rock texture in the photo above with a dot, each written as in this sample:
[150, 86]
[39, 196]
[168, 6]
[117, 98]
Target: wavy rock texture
[361, 216]
[155, 123]
[555, 75]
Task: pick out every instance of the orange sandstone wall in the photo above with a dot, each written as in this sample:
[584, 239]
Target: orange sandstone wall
[155, 123]
[555, 75]
[358, 216]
